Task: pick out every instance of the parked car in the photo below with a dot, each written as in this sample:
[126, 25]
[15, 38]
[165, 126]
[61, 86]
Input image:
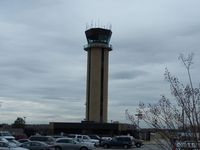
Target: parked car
[84, 138]
[104, 138]
[7, 135]
[47, 139]
[94, 136]
[14, 142]
[37, 145]
[72, 144]
[8, 146]
[187, 145]
[118, 141]
[137, 142]
[2, 139]
[57, 136]
[23, 140]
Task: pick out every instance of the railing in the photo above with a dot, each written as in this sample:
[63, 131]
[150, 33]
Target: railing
[109, 46]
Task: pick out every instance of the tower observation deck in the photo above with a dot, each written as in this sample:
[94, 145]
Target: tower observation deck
[97, 48]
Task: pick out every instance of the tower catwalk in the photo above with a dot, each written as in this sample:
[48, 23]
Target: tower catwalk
[98, 48]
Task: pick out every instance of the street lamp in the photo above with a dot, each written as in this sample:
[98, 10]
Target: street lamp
[139, 116]
[24, 120]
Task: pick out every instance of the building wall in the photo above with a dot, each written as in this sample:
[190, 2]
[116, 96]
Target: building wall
[102, 129]
[97, 85]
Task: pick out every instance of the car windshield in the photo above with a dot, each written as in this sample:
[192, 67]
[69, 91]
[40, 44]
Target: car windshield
[94, 137]
[86, 137]
[71, 136]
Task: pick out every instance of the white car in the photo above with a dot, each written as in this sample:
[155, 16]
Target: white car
[91, 144]
[187, 145]
[84, 138]
[14, 142]
[11, 142]
[8, 146]
[3, 139]
[7, 135]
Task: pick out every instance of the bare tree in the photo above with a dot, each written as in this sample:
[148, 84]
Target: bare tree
[174, 120]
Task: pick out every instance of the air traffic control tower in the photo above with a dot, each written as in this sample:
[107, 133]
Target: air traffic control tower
[98, 48]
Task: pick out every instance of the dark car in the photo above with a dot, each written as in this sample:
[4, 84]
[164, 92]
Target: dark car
[118, 141]
[46, 139]
[37, 145]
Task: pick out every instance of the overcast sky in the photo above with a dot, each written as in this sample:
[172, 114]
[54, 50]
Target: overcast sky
[43, 64]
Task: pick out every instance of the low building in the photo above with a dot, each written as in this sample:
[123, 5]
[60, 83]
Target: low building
[90, 128]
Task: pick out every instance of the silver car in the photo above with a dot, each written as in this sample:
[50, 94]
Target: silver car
[8, 146]
[37, 145]
[7, 135]
[69, 143]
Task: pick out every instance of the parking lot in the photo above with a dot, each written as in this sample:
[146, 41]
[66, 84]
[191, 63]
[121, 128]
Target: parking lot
[144, 147]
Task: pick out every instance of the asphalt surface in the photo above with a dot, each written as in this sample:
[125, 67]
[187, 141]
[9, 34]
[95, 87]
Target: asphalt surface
[144, 147]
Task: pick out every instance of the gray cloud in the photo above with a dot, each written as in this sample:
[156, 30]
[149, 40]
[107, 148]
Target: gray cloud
[43, 64]
[127, 74]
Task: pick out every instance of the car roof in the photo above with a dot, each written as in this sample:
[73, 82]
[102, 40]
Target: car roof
[64, 138]
[40, 136]
[34, 142]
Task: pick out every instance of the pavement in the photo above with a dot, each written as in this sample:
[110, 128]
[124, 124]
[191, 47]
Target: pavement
[146, 146]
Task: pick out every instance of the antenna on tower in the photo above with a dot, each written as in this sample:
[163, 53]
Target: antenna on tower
[97, 24]
[86, 26]
[92, 24]
[107, 26]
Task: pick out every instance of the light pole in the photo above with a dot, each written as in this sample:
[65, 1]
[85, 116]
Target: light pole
[24, 120]
[139, 116]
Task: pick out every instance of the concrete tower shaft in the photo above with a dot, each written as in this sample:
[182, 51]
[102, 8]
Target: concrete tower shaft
[97, 74]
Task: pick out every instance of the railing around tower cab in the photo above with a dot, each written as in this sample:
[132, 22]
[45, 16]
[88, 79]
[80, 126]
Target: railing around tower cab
[98, 45]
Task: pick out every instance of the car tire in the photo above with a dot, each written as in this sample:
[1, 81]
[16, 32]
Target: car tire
[105, 146]
[58, 148]
[138, 145]
[83, 148]
[125, 146]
